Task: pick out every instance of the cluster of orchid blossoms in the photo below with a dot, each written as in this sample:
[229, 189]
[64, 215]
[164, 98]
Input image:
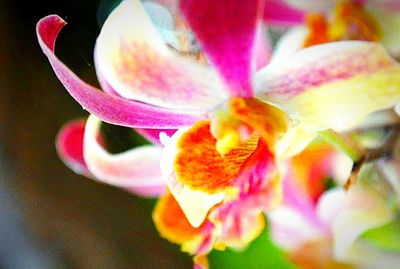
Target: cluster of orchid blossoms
[303, 133]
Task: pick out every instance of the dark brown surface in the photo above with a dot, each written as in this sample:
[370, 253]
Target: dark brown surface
[87, 224]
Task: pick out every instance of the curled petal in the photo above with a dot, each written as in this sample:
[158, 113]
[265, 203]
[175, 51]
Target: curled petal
[227, 31]
[333, 85]
[69, 144]
[110, 109]
[136, 168]
[277, 12]
[136, 62]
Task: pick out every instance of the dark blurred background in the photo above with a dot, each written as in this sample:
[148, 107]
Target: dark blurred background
[50, 217]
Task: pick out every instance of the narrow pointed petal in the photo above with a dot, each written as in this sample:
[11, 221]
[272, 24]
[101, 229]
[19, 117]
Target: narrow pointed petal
[333, 85]
[110, 109]
[134, 59]
[136, 168]
[69, 144]
[277, 12]
[227, 31]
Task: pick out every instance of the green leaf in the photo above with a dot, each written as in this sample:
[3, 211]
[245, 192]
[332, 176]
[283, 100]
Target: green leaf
[261, 254]
[386, 237]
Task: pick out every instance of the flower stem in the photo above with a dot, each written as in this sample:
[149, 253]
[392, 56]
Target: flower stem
[343, 144]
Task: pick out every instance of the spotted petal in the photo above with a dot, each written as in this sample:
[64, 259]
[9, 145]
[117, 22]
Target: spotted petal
[111, 109]
[194, 203]
[227, 32]
[136, 62]
[333, 85]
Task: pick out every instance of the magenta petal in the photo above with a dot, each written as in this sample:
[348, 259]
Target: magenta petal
[226, 30]
[111, 109]
[69, 144]
[276, 12]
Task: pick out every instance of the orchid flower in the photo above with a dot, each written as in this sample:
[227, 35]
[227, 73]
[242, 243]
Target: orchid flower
[233, 123]
[325, 229]
[336, 20]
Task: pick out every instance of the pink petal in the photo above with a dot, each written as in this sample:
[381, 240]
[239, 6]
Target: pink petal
[69, 144]
[226, 30]
[137, 169]
[110, 109]
[152, 135]
[134, 59]
[277, 12]
[333, 85]
[241, 219]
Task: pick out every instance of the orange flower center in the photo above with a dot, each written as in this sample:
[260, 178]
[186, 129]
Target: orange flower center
[199, 165]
